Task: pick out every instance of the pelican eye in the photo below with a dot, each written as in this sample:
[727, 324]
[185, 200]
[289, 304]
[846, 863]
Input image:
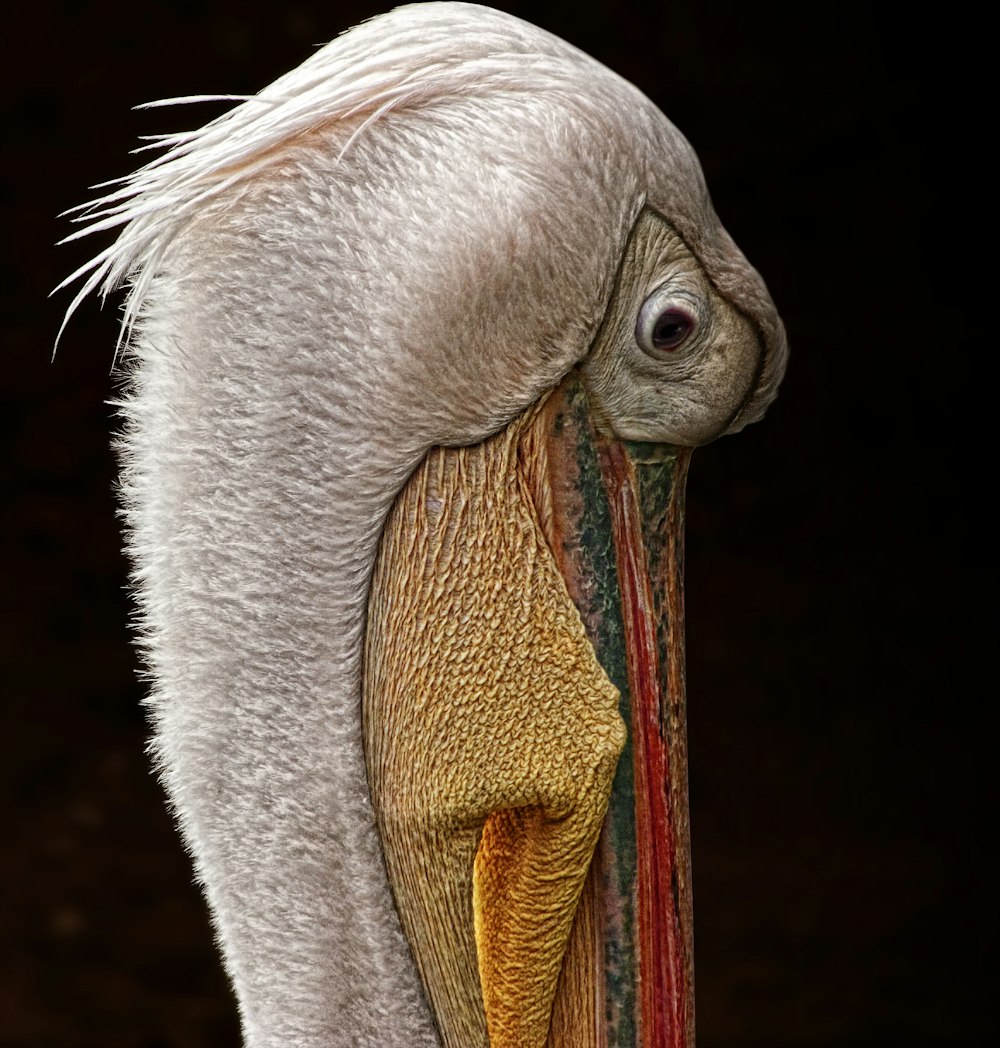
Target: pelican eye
[663, 325]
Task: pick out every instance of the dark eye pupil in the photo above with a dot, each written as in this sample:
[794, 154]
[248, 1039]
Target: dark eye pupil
[671, 328]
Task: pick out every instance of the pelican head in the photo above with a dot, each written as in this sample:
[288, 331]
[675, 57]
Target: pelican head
[366, 308]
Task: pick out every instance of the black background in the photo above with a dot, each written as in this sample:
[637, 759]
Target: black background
[841, 715]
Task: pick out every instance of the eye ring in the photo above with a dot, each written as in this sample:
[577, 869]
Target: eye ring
[664, 325]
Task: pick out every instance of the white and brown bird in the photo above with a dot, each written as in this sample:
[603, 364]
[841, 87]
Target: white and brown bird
[402, 332]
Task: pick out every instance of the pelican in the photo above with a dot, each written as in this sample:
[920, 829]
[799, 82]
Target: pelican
[417, 341]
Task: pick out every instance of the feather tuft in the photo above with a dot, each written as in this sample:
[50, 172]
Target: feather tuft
[411, 57]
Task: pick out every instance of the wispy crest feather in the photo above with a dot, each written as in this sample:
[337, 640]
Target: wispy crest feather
[413, 58]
